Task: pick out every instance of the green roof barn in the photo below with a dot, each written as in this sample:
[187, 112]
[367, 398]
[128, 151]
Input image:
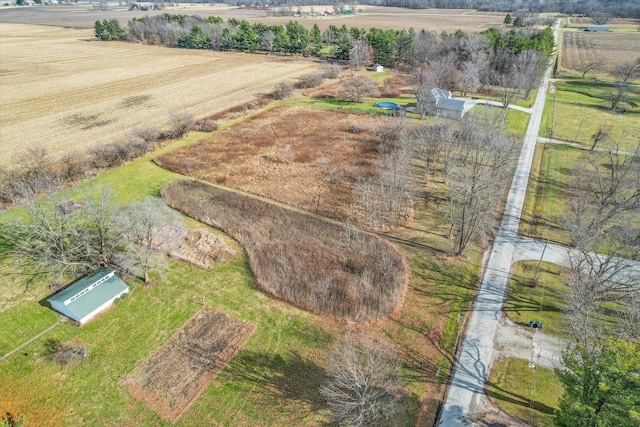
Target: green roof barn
[89, 296]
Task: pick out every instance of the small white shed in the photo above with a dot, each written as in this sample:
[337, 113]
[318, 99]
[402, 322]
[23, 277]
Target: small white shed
[378, 68]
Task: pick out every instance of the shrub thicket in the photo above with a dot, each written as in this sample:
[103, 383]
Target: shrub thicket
[315, 264]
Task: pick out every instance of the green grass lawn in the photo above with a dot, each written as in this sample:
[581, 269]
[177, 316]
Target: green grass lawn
[546, 300]
[577, 109]
[530, 394]
[549, 192]
[274, 380]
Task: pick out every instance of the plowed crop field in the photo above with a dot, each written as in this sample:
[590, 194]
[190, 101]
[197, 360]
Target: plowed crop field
[609, 48]
[61, 89]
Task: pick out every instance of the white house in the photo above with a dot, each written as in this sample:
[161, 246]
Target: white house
[441, 104]
[378, 68]
[89, 296]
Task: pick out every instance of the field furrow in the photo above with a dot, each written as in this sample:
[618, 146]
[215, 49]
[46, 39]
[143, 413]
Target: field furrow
[63, 92]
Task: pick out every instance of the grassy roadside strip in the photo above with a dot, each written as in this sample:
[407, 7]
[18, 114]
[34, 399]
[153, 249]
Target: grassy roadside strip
[530, 394]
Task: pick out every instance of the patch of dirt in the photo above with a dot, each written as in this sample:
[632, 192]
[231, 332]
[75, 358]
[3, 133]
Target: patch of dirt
[529, 344]
[197, 247]
[172, 378]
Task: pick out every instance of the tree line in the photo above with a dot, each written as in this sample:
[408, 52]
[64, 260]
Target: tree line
[387, 47]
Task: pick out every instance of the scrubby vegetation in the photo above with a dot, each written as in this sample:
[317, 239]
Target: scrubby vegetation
[317, 265]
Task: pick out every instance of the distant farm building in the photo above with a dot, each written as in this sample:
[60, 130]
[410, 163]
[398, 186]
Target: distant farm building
[597, 27]
[441, 104]
[378, 68]
[89, 296]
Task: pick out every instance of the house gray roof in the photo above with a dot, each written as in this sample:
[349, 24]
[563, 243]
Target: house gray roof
[438, 93]
[451, 104]
[89, 293]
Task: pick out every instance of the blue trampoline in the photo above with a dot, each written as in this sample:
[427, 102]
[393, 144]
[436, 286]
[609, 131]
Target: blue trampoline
[387, 105]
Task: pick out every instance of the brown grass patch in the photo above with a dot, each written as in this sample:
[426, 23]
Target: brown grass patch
[62, 92]
[173, 377]
[610, 48]
[317, 265]
[302, 157]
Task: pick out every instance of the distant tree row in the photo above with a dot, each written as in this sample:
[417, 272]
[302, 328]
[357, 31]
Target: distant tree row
[385, 46]
[620, 8]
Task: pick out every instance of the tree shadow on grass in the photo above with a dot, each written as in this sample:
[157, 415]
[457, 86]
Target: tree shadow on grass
[291, 379]
[500, 394]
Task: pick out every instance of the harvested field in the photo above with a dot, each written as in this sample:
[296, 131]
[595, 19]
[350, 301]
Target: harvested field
[366, 17]
[173, 377]
[317, 265]
[610, 48]
[303, 157]
[61, 91]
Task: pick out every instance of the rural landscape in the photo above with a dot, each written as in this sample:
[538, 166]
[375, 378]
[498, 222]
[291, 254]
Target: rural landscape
[313, 214]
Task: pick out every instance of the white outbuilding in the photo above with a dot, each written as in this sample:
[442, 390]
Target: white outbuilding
[89, 296]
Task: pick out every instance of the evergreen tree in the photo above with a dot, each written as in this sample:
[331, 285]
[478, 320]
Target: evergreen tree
[298, 37]
[508, 20]
[315, 38]
[344, 47]
[517, 22]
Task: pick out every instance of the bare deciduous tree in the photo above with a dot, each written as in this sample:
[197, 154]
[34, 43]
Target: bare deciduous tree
[266, 40]
[601, 134]
[606, 185]
[359, 87]
[624, 73]
[477, 177]
[528, 67]
[179, 124]
[423, 80]
[359, 56]
[606, 190]
[365, 385]
[141, 225]
[509, 88]
[585, 66]
[386, 197]
[58, 242]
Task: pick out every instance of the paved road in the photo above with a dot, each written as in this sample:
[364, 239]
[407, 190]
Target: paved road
[496, 104]
[526, 248]
[474, 363]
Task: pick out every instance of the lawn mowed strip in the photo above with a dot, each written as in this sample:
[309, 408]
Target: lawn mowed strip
[578, 108]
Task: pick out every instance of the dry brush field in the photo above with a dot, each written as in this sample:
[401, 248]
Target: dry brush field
[610, 48]
[61, 90]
